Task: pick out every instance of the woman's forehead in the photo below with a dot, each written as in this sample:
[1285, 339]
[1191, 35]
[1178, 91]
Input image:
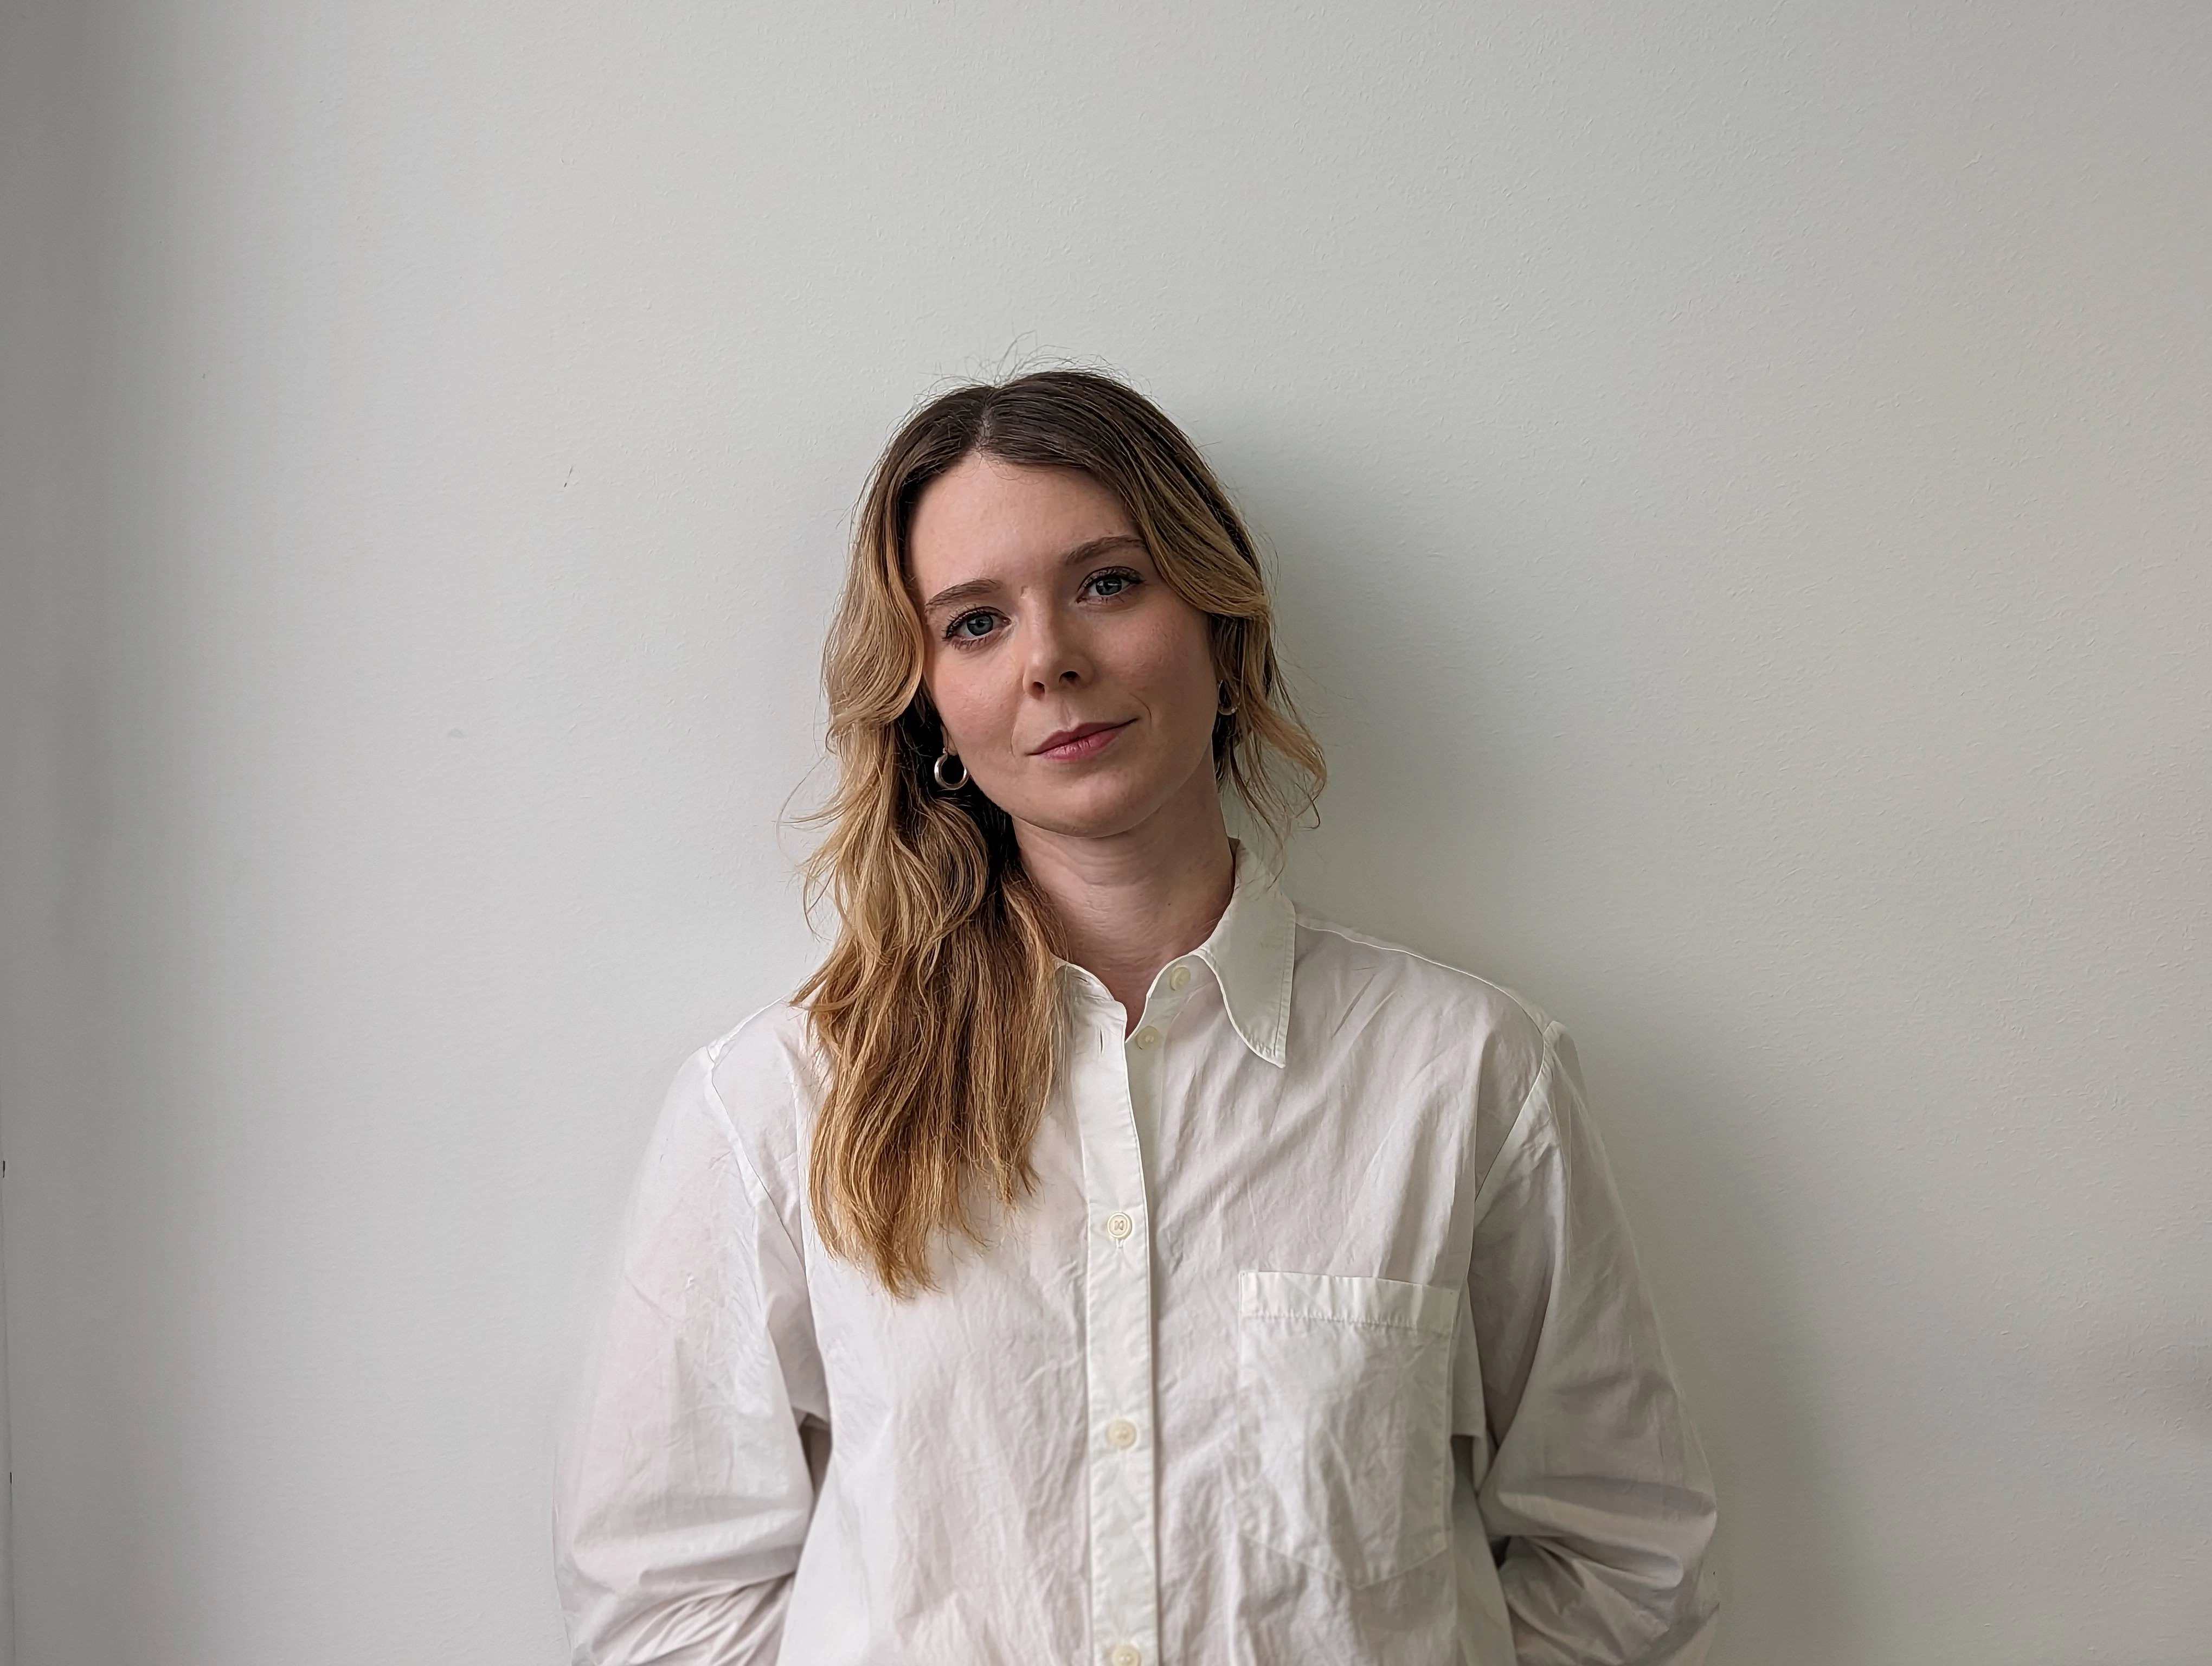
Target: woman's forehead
[987, 517]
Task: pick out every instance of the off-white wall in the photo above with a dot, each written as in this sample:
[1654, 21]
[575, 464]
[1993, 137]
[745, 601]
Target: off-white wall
[1739, 477]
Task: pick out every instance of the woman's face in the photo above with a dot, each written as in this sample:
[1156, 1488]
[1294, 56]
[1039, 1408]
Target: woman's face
[1079, 690]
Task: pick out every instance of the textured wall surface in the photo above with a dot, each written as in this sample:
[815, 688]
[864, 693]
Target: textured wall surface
[1740, 479]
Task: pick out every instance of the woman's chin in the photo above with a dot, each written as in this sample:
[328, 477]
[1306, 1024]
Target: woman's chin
[1105, 813]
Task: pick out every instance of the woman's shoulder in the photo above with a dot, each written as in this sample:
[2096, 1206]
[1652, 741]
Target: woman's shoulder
[769, 1040]
[1332, 950]
[753, 1079]
[1434, 1009]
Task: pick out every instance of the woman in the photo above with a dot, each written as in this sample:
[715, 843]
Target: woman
[1100, 1259]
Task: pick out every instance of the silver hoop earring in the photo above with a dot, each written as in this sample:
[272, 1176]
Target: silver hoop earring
[937, 769]
[1228, 708]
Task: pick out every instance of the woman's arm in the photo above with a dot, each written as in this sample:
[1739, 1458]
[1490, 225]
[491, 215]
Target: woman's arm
[1598, 1482]
[684, 1489]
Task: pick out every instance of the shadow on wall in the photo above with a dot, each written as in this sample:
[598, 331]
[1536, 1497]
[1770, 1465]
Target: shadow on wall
[1397, 685]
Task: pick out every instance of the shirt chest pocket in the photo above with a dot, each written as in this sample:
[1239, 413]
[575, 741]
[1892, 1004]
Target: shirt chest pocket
[1343, 1420]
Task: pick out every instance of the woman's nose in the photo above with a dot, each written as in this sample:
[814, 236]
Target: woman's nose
[1057, 658]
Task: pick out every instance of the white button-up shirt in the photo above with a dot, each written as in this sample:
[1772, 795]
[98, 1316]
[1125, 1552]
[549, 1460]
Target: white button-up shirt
[1320, 1340]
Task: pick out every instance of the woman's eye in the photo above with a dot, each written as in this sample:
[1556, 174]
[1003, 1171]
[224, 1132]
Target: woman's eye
[971, 627]
[1112, 584]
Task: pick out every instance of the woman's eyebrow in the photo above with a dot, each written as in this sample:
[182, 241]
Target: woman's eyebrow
[969, 589]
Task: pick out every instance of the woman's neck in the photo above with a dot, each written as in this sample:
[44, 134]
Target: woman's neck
[1128, 904]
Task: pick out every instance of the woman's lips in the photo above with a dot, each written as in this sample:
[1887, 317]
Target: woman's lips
[1098, 741]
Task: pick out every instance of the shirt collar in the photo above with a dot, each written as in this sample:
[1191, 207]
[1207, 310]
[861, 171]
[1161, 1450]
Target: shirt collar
[1251, 950]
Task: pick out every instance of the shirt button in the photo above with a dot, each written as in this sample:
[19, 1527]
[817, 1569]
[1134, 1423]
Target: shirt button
[1148, 1037]
[1121, 1433]
[1119, 1226]
[1179, 977]
[1123, 1654]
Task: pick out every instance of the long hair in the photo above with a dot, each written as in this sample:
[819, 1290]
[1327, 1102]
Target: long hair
[937, 1010]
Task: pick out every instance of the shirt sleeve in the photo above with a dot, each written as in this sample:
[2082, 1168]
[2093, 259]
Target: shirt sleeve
[684, 1485]
[1598, 1488]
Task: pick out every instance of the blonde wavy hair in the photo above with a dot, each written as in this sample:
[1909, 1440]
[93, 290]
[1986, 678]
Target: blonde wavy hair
[937, 1012]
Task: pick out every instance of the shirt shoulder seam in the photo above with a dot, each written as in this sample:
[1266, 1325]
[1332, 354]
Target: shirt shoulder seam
[1547, 1028]
[713, 1051]
[1543, 1021]
[1522, 1129]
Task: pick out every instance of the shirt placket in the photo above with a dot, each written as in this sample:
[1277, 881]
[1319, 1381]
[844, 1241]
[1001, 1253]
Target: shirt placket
[1124, 1094]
